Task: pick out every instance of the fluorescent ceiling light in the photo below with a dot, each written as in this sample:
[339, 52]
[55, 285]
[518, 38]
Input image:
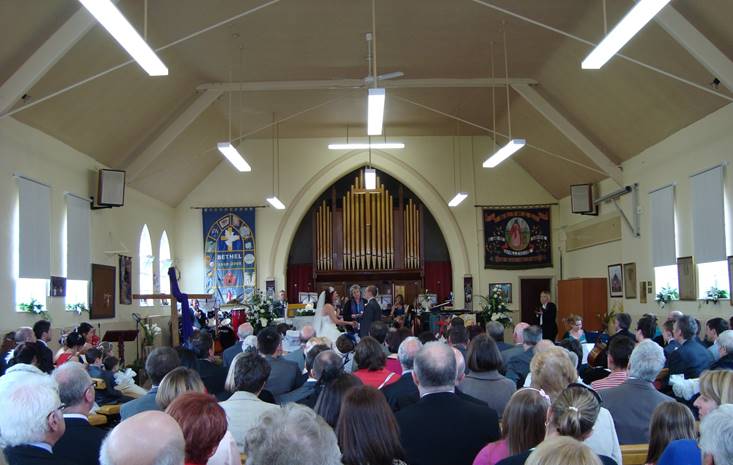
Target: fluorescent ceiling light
[375, 145]
[455, 201]
[505, 152]
[640, 14]
[276, 203]
[370, 179]
[233, 155]
[375, 111]
[110, 17]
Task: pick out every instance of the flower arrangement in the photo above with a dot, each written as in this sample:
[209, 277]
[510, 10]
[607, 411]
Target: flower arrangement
[259, 311]
[666, 295]
[150, 330]
[34, 307]
[425, 302]
[493, 307]
[306, 311]
[714, 294]
[78, 308]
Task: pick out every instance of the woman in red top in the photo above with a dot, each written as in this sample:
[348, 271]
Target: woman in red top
[203, 423]
[370, 358]
[74, 343]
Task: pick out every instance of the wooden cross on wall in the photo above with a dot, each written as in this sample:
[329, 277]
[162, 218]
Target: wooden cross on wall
[175, 336]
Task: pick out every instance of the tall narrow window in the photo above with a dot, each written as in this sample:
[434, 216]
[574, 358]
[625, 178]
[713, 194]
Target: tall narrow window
[708, 229]
[146, 260]
[164, 257]
[664, 247]
[78, 250]
[34, 241]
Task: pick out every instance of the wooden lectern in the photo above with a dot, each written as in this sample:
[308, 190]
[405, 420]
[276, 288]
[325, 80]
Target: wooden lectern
[120, 337]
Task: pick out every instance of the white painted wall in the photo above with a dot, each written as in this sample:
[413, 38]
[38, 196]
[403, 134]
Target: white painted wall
[307, 168]
[706, 143]
[30, 152]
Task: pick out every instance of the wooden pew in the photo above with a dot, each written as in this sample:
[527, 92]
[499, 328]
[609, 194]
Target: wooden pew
[634, 454]
[110, 409]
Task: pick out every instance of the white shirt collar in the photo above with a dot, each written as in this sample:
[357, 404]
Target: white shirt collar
[76, 415]
[451, 390]
[42, 445]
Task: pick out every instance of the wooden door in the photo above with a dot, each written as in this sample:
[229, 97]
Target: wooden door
[530, 289]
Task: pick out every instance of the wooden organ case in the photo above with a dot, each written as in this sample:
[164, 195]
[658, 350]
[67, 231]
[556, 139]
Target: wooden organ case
[369, 237]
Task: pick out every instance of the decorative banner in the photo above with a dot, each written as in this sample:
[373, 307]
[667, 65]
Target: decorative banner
[229, 253]
[125, 279]
[517, 238]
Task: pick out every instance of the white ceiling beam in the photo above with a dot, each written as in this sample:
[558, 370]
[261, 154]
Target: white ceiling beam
[704, 51]
[170, 133]
[38, 64]
[569, 131]
[329, 84]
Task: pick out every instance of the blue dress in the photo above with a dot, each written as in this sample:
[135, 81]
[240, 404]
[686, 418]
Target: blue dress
[681, 452]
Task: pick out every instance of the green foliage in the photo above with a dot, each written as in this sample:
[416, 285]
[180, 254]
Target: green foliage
[493, 307]
[34, 307]
[714, 294]
[259, 311]
[667, 295]
[79, 308]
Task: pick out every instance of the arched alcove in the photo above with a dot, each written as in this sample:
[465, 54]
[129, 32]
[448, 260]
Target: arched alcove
[402, 172]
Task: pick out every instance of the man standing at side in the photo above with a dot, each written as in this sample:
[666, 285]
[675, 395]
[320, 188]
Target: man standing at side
[160, 361]
[372, 312]
[42, 331]
[424, 435]
[547, 317]
[81, 441]
[244, 330]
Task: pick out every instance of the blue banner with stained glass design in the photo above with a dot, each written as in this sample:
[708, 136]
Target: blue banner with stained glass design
[229, 253]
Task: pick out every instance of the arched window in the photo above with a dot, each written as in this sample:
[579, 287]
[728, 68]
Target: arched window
[164, 259]
[146, 260]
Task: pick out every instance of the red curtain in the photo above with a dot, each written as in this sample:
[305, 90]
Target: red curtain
[300, 279]
[439, 279]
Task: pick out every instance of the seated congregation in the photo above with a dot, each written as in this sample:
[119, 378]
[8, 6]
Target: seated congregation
[287, 397]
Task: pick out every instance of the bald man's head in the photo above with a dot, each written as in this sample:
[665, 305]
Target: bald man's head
[148, 438]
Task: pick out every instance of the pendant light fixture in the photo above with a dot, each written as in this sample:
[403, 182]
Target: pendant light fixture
[460, 196]
[370, 174]
[514, 144]
[273, 200]
[227, 148]
[376, 95]
[633, 22]
[110, 17]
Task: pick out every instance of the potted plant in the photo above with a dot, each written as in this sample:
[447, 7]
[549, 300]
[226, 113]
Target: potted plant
[714, 294]
[34, 307]
[666, 295]
[493, 307]
[78, 308]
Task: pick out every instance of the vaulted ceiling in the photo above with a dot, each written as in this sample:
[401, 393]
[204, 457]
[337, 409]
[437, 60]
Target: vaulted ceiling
[621, 109]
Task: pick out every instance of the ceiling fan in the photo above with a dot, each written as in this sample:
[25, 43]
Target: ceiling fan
[369, 79]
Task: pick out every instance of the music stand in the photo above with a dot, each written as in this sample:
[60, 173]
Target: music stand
[120, 337]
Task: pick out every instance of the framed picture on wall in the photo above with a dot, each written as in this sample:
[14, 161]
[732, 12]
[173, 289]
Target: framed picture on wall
[103, 292]
[630, 280]
[58, 286]
[730, 277]
[270, 289]
[686, 278]
[642, 292]
[506, 289]
[468, 291]
[615, 280]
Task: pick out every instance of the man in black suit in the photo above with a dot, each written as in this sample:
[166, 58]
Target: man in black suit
[354, 307]
[547, 317]
[42, 331]
[284, 374]
[404, 392]
[691, 358]
[244, 330]
[372, 312]
[31, 421]
[427, 428]
[517, 368]
[214, 376]
[81, 441]
[323, 364]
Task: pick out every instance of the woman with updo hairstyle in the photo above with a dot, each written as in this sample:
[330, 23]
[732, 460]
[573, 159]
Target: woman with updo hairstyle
[670, 421]
[716, 389]
[203, 423]
[553, 371]
[73, 345]
[522, 426]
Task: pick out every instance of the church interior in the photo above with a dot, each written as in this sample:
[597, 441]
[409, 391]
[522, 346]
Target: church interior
[438, 150]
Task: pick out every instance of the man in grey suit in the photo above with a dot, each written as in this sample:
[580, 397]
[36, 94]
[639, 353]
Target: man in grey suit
[298, 355]
[284, 374]
[160, 361]
[632, 403]
[372, 312]
[244, 330]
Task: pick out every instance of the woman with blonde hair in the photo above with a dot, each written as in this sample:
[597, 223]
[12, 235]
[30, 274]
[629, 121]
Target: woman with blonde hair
[670, 421]
[553, 371]
[563, 451]
[575, 323]
[716, 388]
[180, 381]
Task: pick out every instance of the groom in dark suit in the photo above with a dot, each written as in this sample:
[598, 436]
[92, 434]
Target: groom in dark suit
[372, 312]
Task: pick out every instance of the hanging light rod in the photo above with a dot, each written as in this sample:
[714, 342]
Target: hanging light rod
[505, 152]
[233, 155]
[365, 145]
[276, 203]
[117, 25]
[375, 111]
[459, 197]
[633, 22]
[370, 179]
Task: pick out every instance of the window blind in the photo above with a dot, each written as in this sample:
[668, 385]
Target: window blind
[78, 237]
[34, 229]
[708, 220]
[661, 206]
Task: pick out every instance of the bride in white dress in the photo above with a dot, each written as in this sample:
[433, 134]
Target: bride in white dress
[326, 318]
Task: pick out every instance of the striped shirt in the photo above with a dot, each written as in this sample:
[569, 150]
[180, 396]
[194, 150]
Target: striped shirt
[616, 378]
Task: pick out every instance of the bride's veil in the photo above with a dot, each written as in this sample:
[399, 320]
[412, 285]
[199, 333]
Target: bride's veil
[321, 302]
[318, 317]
